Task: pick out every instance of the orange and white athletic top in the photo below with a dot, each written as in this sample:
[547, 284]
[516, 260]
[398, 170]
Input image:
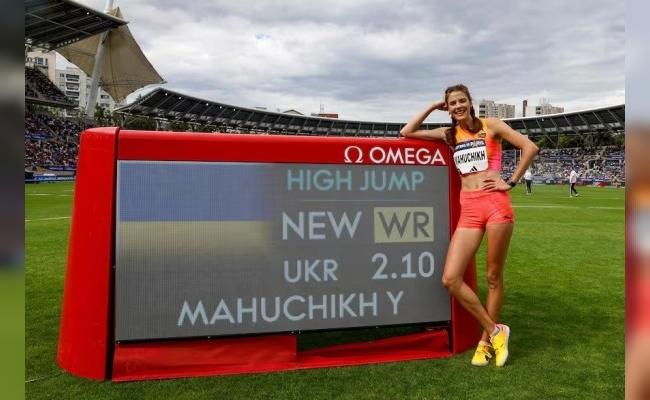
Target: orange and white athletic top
[475, 152]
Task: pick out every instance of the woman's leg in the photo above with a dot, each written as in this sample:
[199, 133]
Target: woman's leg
[463, 246]
[498, 242]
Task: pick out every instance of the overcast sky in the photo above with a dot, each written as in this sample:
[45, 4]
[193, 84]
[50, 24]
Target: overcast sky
[383, 60]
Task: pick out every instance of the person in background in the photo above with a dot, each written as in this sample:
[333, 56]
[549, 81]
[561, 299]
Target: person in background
[573, 178]
[485, 208]
[528, 178]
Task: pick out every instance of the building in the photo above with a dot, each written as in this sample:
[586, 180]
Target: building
[72, 81]
[488, 108]
[544, 108]
[523, 107]
[75, 84]
[43, 61]
[292, 112]
[324, 115]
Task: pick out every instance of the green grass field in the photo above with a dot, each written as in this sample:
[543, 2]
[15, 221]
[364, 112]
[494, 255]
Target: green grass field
[565, 292]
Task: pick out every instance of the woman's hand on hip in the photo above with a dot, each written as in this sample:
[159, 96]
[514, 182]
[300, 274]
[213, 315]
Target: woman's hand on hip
[492, 185]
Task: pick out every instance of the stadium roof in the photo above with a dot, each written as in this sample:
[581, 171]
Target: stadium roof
[173, 106]
[124, 69]
[50, 24]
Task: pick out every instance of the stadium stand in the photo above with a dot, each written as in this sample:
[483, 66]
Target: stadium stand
[167, 105]
[593, 165]
[51, 142]
[50, 24]
[42, 90]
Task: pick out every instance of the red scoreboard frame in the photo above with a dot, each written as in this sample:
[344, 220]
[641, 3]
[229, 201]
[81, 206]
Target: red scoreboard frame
[86, 342]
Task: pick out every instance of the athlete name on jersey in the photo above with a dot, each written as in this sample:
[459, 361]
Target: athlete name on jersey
[471, 156]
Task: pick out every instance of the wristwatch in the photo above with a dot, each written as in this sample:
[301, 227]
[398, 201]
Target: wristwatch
[512, 184]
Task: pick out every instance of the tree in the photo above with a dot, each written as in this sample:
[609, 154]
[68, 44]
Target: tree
[619, 139]
[566, 141]
[205, 128]
[103, 117]
[544, 143]
[178, 126]
[603, 139]
[139, 123]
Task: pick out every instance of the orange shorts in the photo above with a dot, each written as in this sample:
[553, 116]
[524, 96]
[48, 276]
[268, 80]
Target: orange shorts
[479, 208]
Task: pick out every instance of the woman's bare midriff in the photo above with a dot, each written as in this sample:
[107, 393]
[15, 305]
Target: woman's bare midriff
[476, 180]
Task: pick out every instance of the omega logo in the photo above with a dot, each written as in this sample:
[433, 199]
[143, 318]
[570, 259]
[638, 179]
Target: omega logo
[351, 152]
[381, 155]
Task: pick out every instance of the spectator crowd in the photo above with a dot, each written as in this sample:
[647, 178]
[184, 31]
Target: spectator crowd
[37, 85]
[595, 164]
[51, 141]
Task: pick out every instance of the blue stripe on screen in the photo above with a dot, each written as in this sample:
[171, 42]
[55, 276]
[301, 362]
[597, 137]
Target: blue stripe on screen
[173, 191]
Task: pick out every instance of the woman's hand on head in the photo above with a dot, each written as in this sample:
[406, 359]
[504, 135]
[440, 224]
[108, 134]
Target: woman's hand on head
[439, 105]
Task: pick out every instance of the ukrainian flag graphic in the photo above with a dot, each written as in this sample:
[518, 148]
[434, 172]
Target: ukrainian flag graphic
[187, 231]
[193, 210]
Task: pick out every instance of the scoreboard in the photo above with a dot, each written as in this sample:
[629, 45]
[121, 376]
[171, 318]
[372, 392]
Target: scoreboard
[223, 248]
[194, 254]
